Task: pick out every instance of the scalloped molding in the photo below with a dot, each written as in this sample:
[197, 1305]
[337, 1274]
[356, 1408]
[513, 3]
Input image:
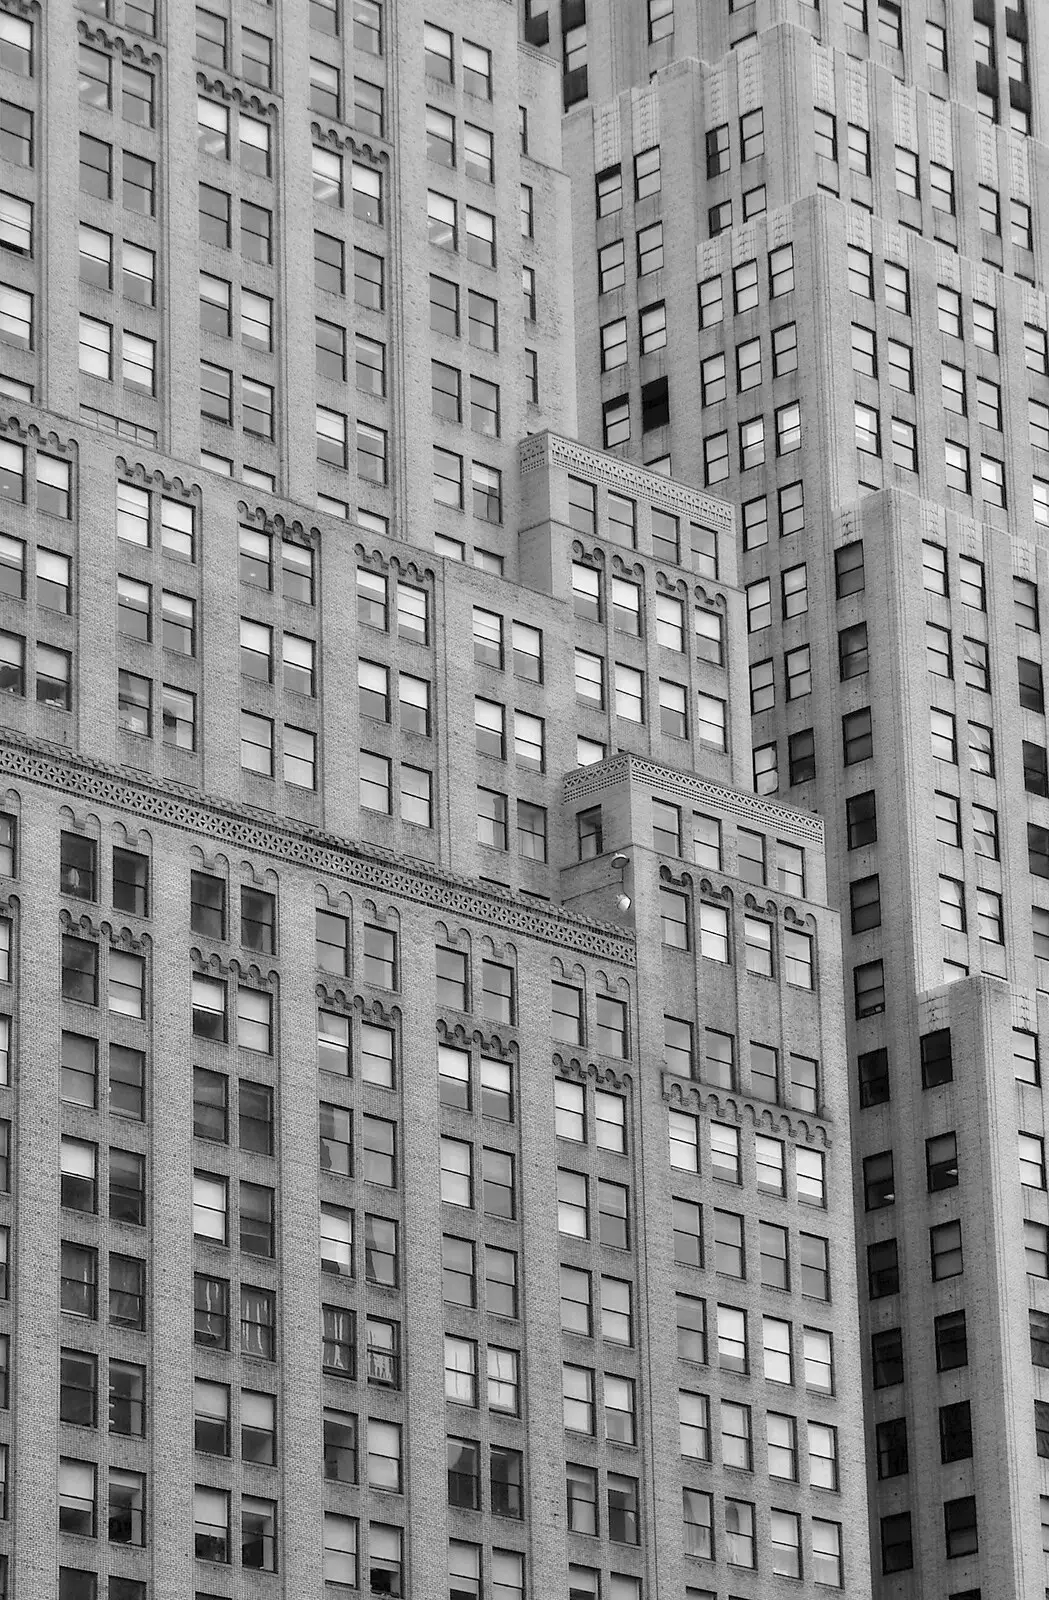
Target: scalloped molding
[589, 1072]
[587, 781]
[33, 761]
[129, 49]
[233, 94]
[403, 562]
[729, 1106]
[493, 1045]
[32, 433]
[336, 140]
[85, 927]
[291, 529]
[549, 449]
[135, 472]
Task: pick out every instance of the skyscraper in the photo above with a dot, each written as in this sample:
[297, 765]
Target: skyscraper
[424, 1131]
[809, 252]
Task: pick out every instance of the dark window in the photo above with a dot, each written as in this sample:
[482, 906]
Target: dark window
[873, 1068]
[258, 916]
[211, 1311]
[883, 1269]
[1032, 696]
[887, 1357]
[941, 1162]
[590, 833]
[861, 819]
[856, 736]
[1038, 850]
[869, 988]
[255, 1117]
[937, 1064]
[210, 1105]
[130, 881]
[801, 755]
[865, 903]
[127, 1082]
[879, 1185]
[207, 910]
[1039, 1331]
[127, 1292]
[505, 1477]
[127, 1403]
[952, 1347]
[78, 869]
[897, 1554]
[853, 655]
[79, 970]
[464, 1476]
[78, 1389]
[79, 1280]
[956, 1433]
[1036, 768]
[1041, 1427]
[127, 1187]
[848, 569]
[891, 1447]
[959, 1523]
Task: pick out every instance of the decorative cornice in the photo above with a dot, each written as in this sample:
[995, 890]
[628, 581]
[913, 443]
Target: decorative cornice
[594, 557]
[231, 93]
[549, 449]
[246, 973]
[336, 997]
[265, 521]
[34, 435]
[634, 570]
[724, 1105]
[349, 141]
[584, 1071]
[129, 49]
[84, 927]
[461, 1037]
[152, 478]
[401, 562]
[592, 780]
[241, 827]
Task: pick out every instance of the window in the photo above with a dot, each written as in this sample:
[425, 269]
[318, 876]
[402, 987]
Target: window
[752, 134]
[944, 736]
[1026, 1061]
[653, 328]
[869, 986]
[868, 429]
[1032, 1161]
[857, 736]
[647, 177]
[477, 70]
[945, 1249]
[859, 150]
[848, 570]
[959, 1527]
[16, 229]
[609, 191]
[860, 272]
[826, 135]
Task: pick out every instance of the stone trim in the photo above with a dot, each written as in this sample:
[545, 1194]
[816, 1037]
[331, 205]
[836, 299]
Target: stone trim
[588, 781]
[548, 449]
[242, 828]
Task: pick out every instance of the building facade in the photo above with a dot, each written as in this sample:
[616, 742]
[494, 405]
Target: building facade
[809, 257]
[424, 1127]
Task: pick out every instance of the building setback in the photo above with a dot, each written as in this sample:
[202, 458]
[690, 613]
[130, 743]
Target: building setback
[424, 1112]
[808, 270]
